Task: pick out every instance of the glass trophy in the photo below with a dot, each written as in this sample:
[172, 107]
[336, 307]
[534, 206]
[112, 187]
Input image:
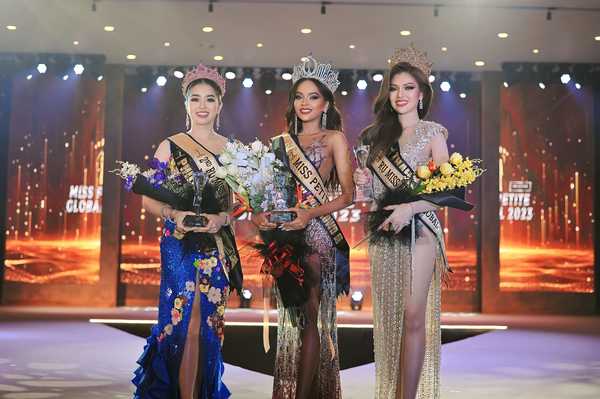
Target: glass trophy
[364, 192]
[200, 181]
[281, 199]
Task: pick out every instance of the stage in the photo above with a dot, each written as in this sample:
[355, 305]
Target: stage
[59, 353]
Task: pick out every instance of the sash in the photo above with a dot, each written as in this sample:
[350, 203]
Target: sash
[190, 156]
[291, 154]
[396, 174]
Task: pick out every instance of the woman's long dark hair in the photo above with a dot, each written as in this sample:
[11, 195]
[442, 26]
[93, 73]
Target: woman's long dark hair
[334, 119]
[387, 129]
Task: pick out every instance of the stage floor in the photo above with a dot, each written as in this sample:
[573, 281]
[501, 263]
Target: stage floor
[536, 357]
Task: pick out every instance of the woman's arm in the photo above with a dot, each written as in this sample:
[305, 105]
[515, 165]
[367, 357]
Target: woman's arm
[343, 166]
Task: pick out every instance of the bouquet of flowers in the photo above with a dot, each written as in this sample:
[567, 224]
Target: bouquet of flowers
[254, 174]
[442, 185]
[160, 181]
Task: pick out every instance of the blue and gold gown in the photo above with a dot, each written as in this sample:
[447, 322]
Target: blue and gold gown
[182, 357]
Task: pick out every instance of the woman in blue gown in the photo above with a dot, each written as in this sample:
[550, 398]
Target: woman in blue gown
[199, 265]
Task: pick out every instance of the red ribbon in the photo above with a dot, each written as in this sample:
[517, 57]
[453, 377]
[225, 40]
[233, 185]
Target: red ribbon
[279, 260]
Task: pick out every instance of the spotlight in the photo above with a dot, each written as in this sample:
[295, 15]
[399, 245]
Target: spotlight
[78, 69]
[286, 76]
[361, 84]
[377, 77]
[565, 78]
[248, 83]
[66, 77]
[211, 7]
[161, 80]
[99, 78]
[357, 300]
[463, 95]
[178, 74]
[245, 298]
[29, 76]
[577, 86]
[230, 75]
[542, 85]
[445, 86]
[344, 93]
[42, 68]
[268, 92]
[431, 78]
[323, 8]
[505, 84]
[144, 89]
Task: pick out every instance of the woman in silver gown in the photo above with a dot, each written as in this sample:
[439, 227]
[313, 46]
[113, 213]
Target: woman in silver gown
[406, 271]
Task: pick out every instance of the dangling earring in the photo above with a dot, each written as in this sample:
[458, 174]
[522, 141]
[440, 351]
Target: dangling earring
[324, 120]
[295, 124]
[218, 121]
[187, 121]
[421, 103]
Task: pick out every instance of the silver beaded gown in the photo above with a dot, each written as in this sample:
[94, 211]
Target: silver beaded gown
[391, 274]
[287, 361]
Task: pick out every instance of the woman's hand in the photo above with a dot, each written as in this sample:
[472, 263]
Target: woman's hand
[303, 216]
[214, 224]
[400, 217]
[261, 220]
[362, 176]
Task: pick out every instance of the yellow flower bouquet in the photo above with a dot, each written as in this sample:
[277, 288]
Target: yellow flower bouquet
[458, 173]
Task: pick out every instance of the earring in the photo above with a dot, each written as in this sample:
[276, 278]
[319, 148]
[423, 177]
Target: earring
[295, 124]
[324, 120]
[218, 121]
[421, 103]
[187, 121]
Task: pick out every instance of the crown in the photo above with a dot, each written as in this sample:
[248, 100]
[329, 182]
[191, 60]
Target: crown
[414, 57]
[202, 72]
[312, 69]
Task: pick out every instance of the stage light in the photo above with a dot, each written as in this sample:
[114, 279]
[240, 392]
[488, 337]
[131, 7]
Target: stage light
[268, 92]
[503, 35]
[131, 57]
[259, 45]
[66, 77]
[305, 31]
[144, 89]
[444, 49]
[99, 78]
[167, 44]
[78, 69]
[286, 76]
[211, 7]
[161, 80]
[11, 27]
[344, 93]
[230, 75]
[577, 86]
[178, 74]
[505, 84]
[565, 78]
[75, 43]
[463, 95]
[378, 77]
[431, 78]
[597, 38]
[245, 298]
[542, 85]
[549, 14]
[248, 83]
[445, 86]
[357, 300]
[535, 51]
[323, 8]
[218, 58]
[479, 63]
[405, 33]
[352, 46]
[361, 84]
[109, 28]
[207, 29]
[42, 68]
[29, 77]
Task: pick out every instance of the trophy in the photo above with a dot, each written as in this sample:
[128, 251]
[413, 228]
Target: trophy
[280, 199]
[200, 180]
[364, 192]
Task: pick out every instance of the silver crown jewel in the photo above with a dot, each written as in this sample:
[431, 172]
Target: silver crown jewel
[312, 69]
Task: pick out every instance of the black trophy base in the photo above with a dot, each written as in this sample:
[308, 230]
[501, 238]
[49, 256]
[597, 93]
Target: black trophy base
[195, 221]
[279, 217]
